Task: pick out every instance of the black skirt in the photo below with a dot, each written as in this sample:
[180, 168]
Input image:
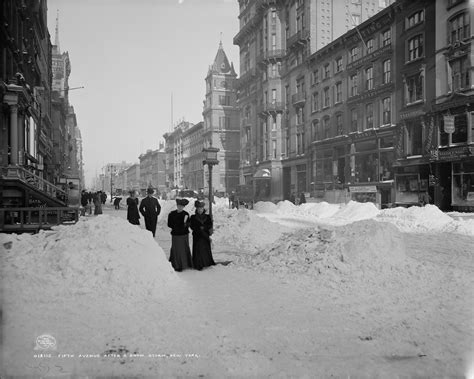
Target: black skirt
[180, 253]
[202, 254]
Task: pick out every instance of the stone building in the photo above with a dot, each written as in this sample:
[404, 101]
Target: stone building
[193, 171]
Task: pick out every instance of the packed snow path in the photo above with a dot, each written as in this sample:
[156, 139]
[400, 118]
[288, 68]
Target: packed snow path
[305, 297]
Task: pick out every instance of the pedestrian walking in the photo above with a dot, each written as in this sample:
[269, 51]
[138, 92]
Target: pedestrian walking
[202, 226]
[98, 203]
[84, 202]
[133, 216]
[150, 209]
[117, 201]
[178, 221]
[302, 198]
[103, 197]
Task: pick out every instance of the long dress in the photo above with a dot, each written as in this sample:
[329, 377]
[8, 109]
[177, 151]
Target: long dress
[180, 253]
[133, 216]
[201, 225]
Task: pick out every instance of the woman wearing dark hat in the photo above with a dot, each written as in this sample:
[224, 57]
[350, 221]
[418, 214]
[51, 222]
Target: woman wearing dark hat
[178, 221]
[201, 225]
[150, 209]
[133, 216]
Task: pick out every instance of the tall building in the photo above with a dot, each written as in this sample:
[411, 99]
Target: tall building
[221, 122]
[276, 38]
[193, 171]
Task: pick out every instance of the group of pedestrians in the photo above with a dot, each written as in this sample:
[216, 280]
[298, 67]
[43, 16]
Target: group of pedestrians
[179, 221]
[92, 198]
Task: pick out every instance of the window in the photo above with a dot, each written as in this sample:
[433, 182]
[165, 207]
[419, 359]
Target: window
[370, 46]
[315, 102]
[369, 78]
[315, 76]
[224, 100]
[386, 38]
[274, 14]
[326, 71]
[415, 47]
[315, 130]
[458, 28]
[353, 85]
[274, 44]
[415, 19]
[287, 94]
[339, 125]
[414, 88]
[354, 54]
[354, 123]
[326, 97]
[274, 149]
[387, 67]
[414, 138]
[338, 92]
[326, 128]
[274, 96]
[338, 65]
[274, 70]
[459, 73]
[369, 114]
[386, 111]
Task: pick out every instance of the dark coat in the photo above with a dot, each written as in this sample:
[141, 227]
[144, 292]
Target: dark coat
[201, 225]
[177, 224]
[150, 209]
[132, 211]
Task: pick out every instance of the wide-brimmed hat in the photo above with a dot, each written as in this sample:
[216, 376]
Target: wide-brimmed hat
[199, 204]
[182, 202]
[150, 190]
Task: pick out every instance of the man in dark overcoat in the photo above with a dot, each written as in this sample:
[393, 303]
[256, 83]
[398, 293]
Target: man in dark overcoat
[150, 209]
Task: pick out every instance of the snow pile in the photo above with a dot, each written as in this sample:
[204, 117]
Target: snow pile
[365, 248]
[354, 211]
[268, 207]
[103, 254]
[321, 210]
[244, 230]
[427, 219]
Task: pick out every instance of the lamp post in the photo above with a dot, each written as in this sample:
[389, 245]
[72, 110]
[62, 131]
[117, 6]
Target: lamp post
[210, 158]
[111, 169]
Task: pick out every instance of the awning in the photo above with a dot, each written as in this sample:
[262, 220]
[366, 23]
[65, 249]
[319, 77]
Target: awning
[263, 173]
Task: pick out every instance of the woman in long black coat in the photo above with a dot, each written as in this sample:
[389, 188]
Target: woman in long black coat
[178, 221]
[133, 216]
[201, 225]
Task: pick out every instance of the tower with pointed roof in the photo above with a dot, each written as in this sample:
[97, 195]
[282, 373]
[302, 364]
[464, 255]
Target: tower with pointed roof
[221, 121]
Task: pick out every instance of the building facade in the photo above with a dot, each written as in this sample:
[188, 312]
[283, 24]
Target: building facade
[276, 39]
[193, 171]
[221, 123]
[451, 176]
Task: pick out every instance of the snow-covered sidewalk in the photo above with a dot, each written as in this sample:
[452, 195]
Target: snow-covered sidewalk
[311, 291]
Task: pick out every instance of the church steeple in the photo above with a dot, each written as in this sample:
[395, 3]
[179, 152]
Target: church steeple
[221, 64]
[56, 37]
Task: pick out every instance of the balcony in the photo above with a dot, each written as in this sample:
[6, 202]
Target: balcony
[299, 99]
[300, 38]
[271, 108]
[271, 56]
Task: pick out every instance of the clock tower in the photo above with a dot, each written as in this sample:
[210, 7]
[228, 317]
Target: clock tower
[221, 122]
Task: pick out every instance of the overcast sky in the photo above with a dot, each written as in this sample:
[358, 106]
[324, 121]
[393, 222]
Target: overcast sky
[131, 55]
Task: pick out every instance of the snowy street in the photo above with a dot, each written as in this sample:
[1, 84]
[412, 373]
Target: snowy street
[312, 291]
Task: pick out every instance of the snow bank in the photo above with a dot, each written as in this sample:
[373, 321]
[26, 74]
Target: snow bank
[427, 219]
[244, 230]
[104, 254]
[365, 248]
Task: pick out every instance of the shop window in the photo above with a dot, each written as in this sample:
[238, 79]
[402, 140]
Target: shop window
[366, 167]
[463, 184]
[407, 188]
[385, 171]
[460, 129]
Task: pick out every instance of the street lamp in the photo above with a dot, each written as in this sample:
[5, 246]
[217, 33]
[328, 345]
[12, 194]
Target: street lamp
[210, 158]
[111, 169]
